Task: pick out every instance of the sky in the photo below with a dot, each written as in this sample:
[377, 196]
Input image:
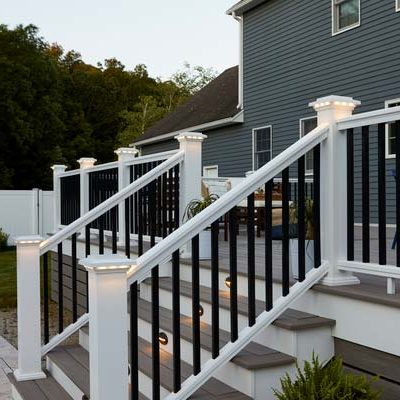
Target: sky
[161, 34]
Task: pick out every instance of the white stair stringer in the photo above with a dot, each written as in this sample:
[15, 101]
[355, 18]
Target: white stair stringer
[246, 335]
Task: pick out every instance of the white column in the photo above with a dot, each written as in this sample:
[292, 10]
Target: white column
[84, 164]
[334, 187]
[125, 154]
[28, 309]
[57, 170]
[108, 339]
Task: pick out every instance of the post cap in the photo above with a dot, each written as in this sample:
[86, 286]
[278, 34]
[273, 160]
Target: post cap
[334, 101]
[107, 263]
[127, 150]
[190, 137]
[58, 168]
[86, 162]
[28, 239]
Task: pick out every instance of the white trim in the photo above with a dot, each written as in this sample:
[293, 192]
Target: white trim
[210, 167]
[309, 172]
[236, 119]
[397, 5]
[387, 104]
[386, 271]
[335, 29]
[254, 143]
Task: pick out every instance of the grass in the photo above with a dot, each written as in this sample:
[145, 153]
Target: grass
[8, 279]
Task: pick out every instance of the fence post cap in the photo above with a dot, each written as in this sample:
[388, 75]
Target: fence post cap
[107, 263]
[86, 162]
[334, 101]
[28, 240]
[126, 150]
[58, 168]
[190, 137]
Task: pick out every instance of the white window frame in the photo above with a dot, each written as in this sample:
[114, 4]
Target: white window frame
[397, 5]
[387, 104]
[308, 172]
[335, 29]
[254, 142]
[208, 168]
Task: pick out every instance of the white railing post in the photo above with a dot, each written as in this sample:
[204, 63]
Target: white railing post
[57, 170]
[125, 154]
[84, 164]
[334, 187]
[28, 309]
[108, 339]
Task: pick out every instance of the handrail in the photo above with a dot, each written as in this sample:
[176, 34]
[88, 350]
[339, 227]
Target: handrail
[102, 167]
[383, 116]
[194, 226]
[110, 203]
[72, 172]
[151, 157]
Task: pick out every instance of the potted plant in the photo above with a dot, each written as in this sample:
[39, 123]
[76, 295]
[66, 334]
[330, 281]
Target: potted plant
[294, 242]
[193, 208]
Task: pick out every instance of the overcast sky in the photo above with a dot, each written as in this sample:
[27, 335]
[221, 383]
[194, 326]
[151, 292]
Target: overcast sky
[161, 33]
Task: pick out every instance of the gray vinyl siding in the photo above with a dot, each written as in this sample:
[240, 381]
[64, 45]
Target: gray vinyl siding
[291, 59]
[159, 147]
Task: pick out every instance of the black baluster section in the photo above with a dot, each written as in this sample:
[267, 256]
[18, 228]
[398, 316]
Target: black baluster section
[140, 215]
[350, 194]
[74, 279]
[159, 207]
[136, 199]
[133, 321]
[382, 193]
[196, 305]
[176, 197]
[285, 232]
[365, 195]
[251, 264]
[268, 246]
[215, 288]
[176, 321]
[397, 133]
[233, 273]
[101, 234]
[170, 199]
[60, 288]
[164, 205]
[317, 206]
[46, 326]
[114, 229]
[87, 240]
[127, 230]
[301, 226]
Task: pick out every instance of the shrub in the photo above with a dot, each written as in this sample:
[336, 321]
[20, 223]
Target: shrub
[3, 239]
[316, 382]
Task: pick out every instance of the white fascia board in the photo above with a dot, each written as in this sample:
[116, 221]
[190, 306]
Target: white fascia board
[236, 119]
[243, 6]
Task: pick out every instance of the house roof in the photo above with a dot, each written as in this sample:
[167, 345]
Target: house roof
[243, 6]
[216, 102]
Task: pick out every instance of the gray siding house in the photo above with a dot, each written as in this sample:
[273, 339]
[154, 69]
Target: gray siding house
[293, 52]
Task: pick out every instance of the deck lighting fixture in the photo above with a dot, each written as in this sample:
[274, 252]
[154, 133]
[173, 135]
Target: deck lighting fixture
[228, 282]
[163, 338]
[201, 310]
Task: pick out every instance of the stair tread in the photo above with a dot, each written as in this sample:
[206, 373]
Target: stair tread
[253, 356]
[74, 362]
[40, 389]
[290, 319]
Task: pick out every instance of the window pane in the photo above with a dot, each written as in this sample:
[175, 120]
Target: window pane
[263, 158]
[263, 140]
[348, 13]
[392, 134]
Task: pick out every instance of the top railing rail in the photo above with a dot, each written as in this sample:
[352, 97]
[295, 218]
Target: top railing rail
[152, 157]
[194, 226]
[110, 203]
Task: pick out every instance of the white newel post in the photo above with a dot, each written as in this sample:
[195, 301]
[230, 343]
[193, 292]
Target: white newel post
[28, 309]
[190, 174]
[125, 154]
[334, 187]
[57, 170]
[84, 164]
[108, 340]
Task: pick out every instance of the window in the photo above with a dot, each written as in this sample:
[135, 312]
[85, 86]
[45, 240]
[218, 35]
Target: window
[306, 126]
[390, 132]
[346, 15]
[210, 171]
[262, 146]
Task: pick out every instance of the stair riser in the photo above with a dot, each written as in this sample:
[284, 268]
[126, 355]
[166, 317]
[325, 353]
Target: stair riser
[63, 380]
[299, 344]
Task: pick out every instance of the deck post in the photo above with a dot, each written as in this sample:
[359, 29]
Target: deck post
[84, 164]
[190, 174]
[28, 309]
[108, 337]
[57, 170]
[125, 154]
[334, 187]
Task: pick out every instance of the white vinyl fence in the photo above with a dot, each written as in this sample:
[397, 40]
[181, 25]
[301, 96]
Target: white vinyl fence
[26, 212]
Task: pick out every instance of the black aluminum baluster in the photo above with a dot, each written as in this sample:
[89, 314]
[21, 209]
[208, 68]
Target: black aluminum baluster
[285, 232]
[251, 265]
[101, 234]
[301, 220]
[127, 230]
[268, 246]
[140, 215]
[350, 194]
[215, 288]
[382, 193]
[170, 200]
[233, 273]
[114, 229]
[365, 195]
[196, 305]
[317, 206]
[176, 197]
[176, 321]
[164, 205]
[60, 288]
[74, 279]
[46, 327]
[133, 321]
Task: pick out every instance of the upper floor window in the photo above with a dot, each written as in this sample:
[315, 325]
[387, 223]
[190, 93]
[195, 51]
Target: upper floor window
[390, 131]
[346, 15]
[262, 146]
[306, 126]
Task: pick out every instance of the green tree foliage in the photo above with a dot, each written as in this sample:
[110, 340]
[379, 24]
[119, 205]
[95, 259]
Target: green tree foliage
[316, 382]
[54, 108]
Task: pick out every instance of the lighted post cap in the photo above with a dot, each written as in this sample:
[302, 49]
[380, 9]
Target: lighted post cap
[107, 263]
[29, 239]
[191, 136]
[338, 101]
